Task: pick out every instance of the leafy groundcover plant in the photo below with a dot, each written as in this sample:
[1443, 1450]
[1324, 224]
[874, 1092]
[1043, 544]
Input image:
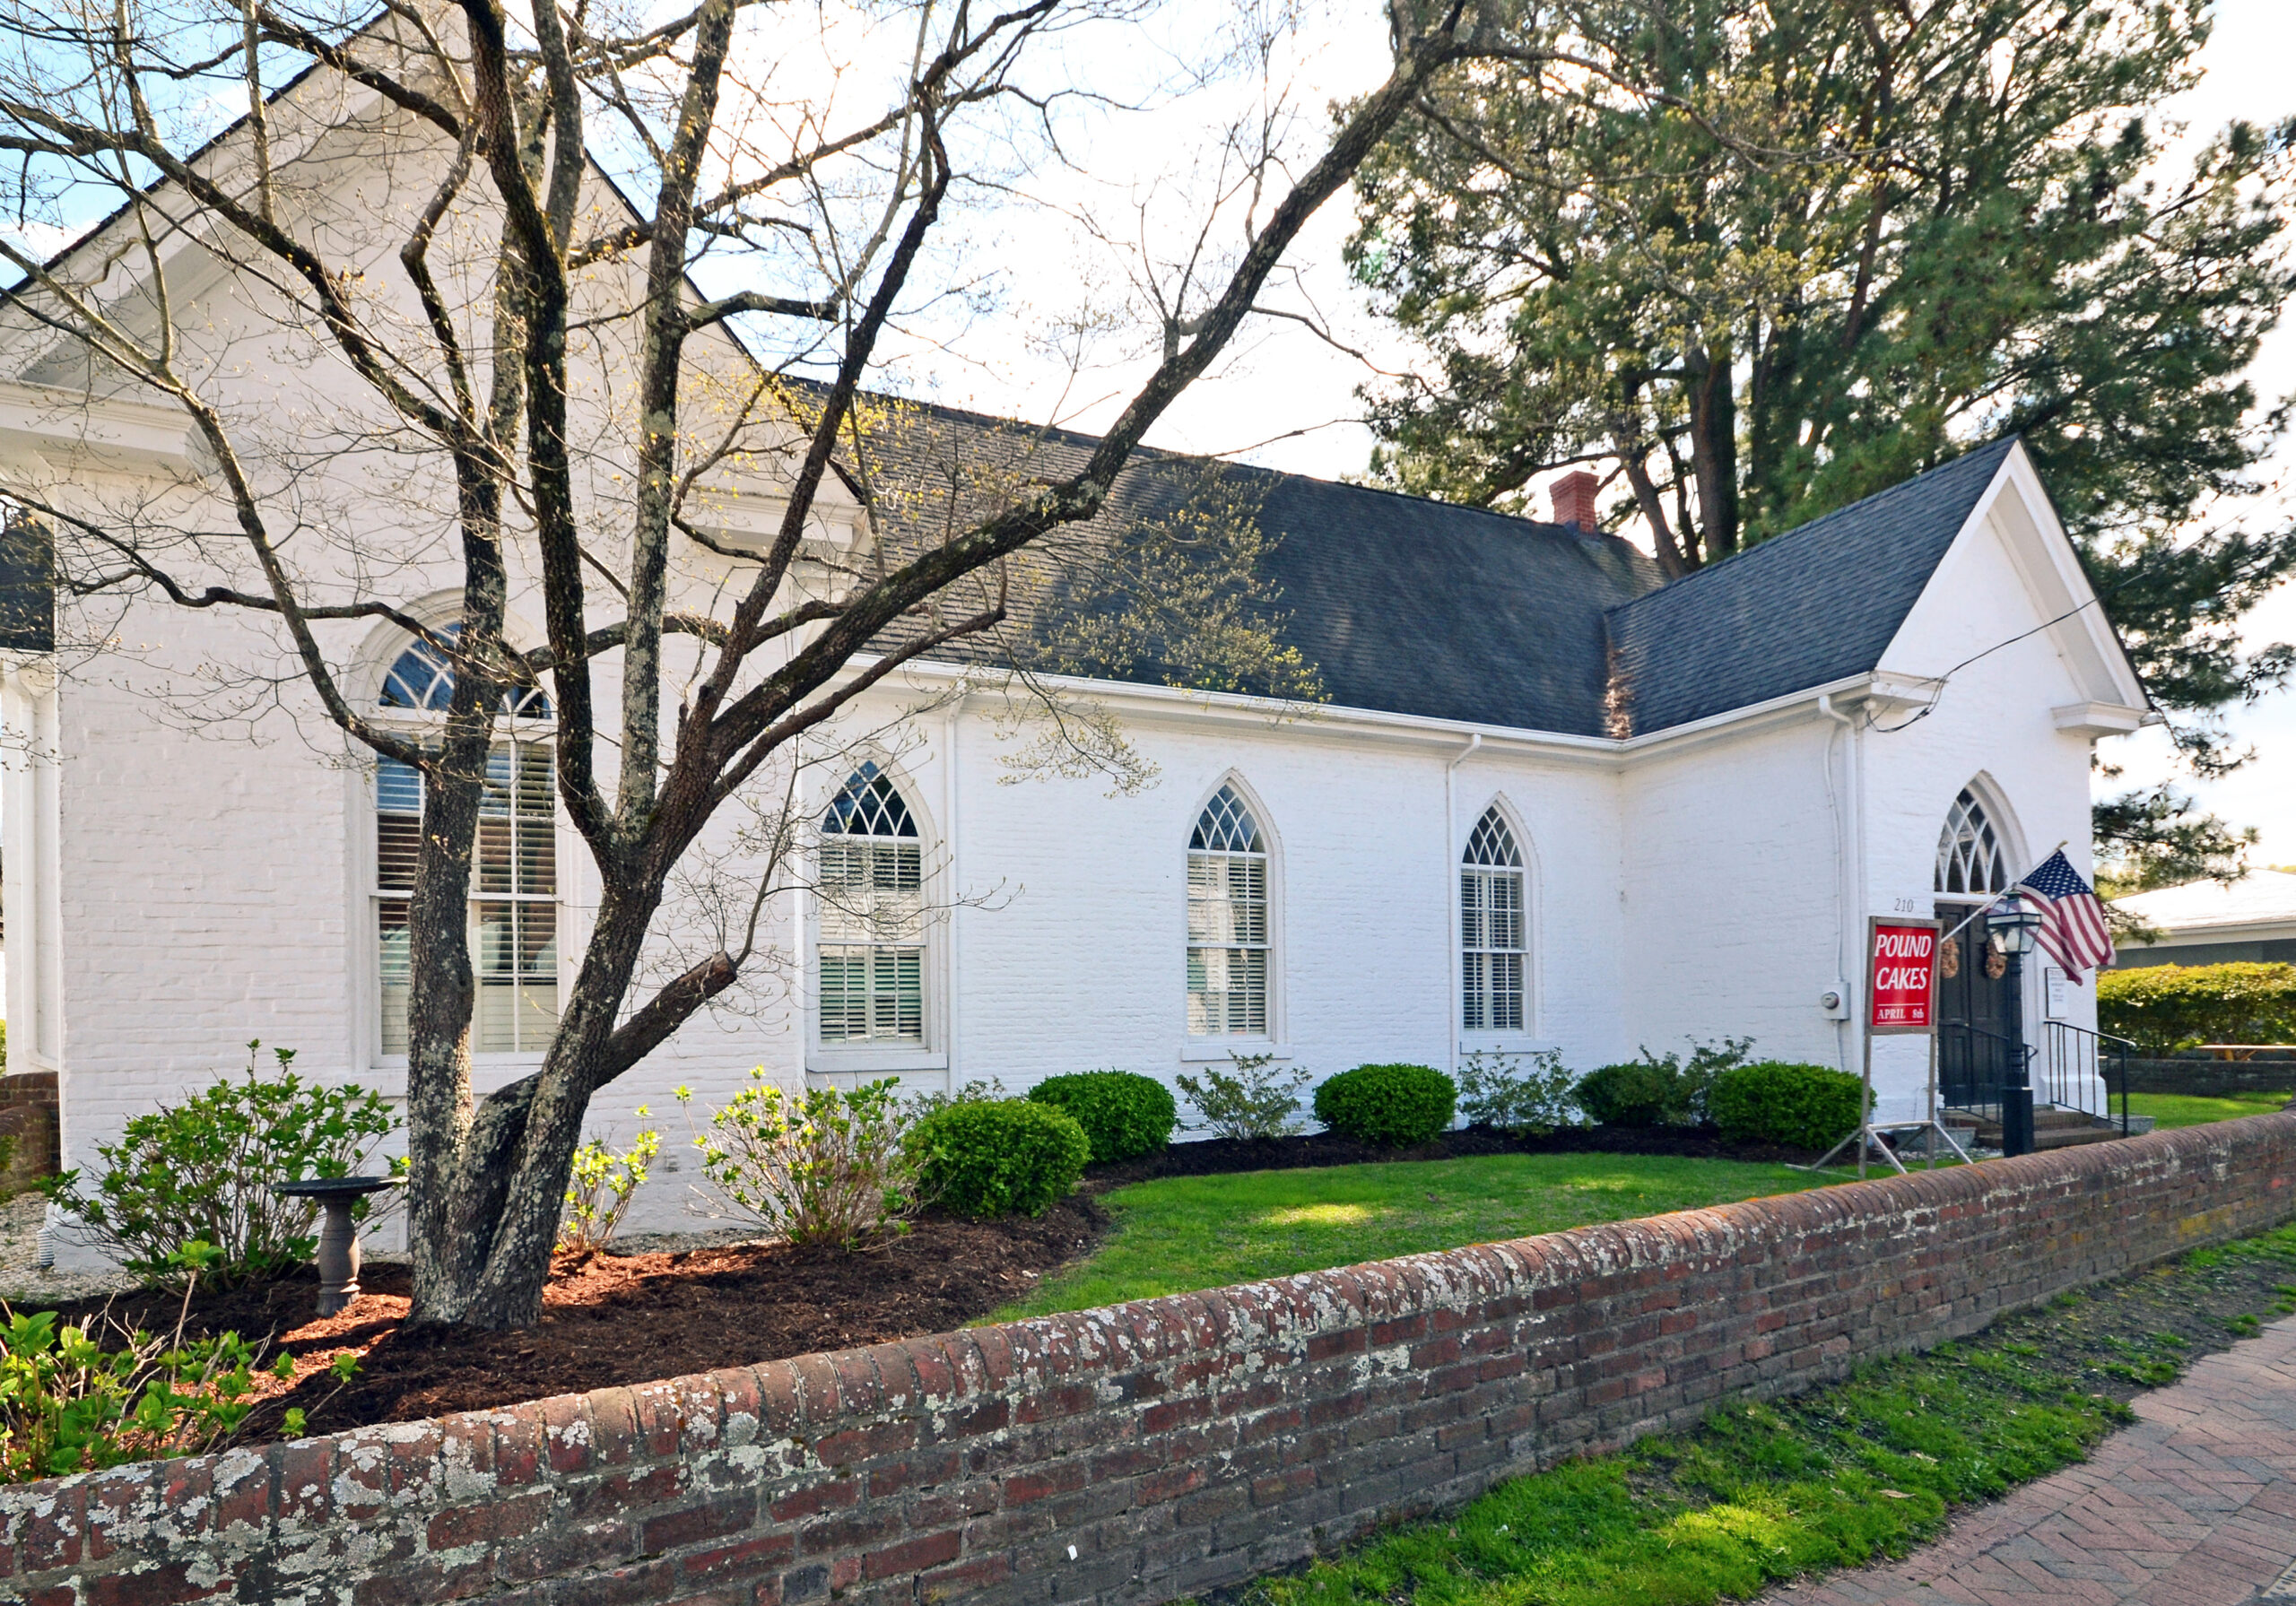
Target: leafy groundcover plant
[600, 1188]
[73, 1398]
[203, 1171]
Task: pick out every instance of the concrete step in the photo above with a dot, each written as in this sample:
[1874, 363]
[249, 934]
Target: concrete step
[2052, 1129]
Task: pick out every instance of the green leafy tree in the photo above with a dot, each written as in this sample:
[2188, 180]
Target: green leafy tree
[1888, 232]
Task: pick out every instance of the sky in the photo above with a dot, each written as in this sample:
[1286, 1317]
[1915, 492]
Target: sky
[1284, 398]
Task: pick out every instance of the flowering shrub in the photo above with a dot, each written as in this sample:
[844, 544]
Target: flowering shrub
[823, 1169]
[203, 1171]
[598, 1192]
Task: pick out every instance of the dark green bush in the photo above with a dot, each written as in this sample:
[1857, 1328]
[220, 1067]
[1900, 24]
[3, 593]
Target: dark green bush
[1122, 1112]
[997, 1157]
[1636, 1093]
[2166, 1007]
[1778, 1101]
[1394, 1104]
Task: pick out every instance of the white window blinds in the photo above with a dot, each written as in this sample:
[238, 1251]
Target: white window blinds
[514, 899]
[1226, 922]
[870, 961]
[1490, 929]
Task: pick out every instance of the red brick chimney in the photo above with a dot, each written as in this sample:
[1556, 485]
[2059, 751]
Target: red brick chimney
[1574, 498]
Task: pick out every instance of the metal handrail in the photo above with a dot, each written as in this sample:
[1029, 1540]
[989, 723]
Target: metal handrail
[2066, 1046]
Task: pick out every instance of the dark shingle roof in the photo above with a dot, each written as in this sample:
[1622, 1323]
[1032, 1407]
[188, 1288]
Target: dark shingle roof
[1400, 605]
[1421, 607]
[1818, 603]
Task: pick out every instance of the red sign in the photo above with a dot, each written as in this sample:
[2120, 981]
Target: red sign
[1902, 975]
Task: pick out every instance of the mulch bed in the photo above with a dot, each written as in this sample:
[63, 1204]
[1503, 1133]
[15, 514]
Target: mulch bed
[613, 1319]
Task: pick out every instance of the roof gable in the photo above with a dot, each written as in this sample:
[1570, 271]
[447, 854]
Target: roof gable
[1819, 603]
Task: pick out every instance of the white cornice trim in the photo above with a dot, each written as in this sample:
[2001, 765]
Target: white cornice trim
[1411, 730]
[71, 427]
[2098, 719]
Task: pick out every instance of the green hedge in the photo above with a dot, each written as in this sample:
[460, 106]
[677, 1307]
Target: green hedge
[2163, 1008]
[1778, 1101]
[1396, 1105]
[1123, 1113]
[996, 1157]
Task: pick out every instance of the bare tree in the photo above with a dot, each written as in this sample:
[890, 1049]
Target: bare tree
[526, 358]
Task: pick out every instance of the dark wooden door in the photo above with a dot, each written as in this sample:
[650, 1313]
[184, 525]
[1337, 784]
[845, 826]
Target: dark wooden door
[1975, 1038]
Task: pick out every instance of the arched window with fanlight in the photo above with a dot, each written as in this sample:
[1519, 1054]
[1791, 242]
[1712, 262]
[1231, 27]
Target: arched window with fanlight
[1970, 860]
[1226, 921]
[514, 873]
[1492, 933]
[870, 962]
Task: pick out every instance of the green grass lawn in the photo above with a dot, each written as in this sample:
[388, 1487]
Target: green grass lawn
[2180, 1110]
[1179, 1234]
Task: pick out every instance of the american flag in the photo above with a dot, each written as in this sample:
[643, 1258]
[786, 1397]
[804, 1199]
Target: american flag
[2072, 921]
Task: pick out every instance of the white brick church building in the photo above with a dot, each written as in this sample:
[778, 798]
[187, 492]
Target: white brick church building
[1546, 802]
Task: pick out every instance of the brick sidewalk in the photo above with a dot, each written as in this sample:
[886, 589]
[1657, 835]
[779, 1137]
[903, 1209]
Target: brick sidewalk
[2194, 1504]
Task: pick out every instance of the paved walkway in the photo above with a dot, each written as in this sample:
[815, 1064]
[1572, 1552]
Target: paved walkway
[2194, 1504]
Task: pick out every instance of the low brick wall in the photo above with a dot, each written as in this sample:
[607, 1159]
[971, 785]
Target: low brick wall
[1147, 1451]
[2206, 1079]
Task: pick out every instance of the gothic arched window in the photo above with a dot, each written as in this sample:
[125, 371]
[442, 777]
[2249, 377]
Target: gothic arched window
[1969, 856]
[514, 876]
[1491, 942]
[1226, 921]
[871, 958]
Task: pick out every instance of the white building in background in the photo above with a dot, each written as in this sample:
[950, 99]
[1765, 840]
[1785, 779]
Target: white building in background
[2208, 923]
[1548, 802]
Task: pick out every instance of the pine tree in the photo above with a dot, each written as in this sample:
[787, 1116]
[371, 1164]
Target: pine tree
[1846, 242]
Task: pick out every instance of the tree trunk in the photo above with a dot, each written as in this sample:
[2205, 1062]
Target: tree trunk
[1714, 448]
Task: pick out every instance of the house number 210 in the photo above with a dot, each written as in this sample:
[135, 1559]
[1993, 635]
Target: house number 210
[1905, 906]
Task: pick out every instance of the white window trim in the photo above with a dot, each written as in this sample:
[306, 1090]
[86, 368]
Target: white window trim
[889, 1059]
[1530, 1036]
[1198, 1050]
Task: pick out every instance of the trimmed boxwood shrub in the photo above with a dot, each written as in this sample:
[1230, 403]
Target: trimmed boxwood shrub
[1636, 1093]
[997, 1157]
[2163, 1008]
[1396, 1105]
[1778, 1101]
[1124, 1113]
